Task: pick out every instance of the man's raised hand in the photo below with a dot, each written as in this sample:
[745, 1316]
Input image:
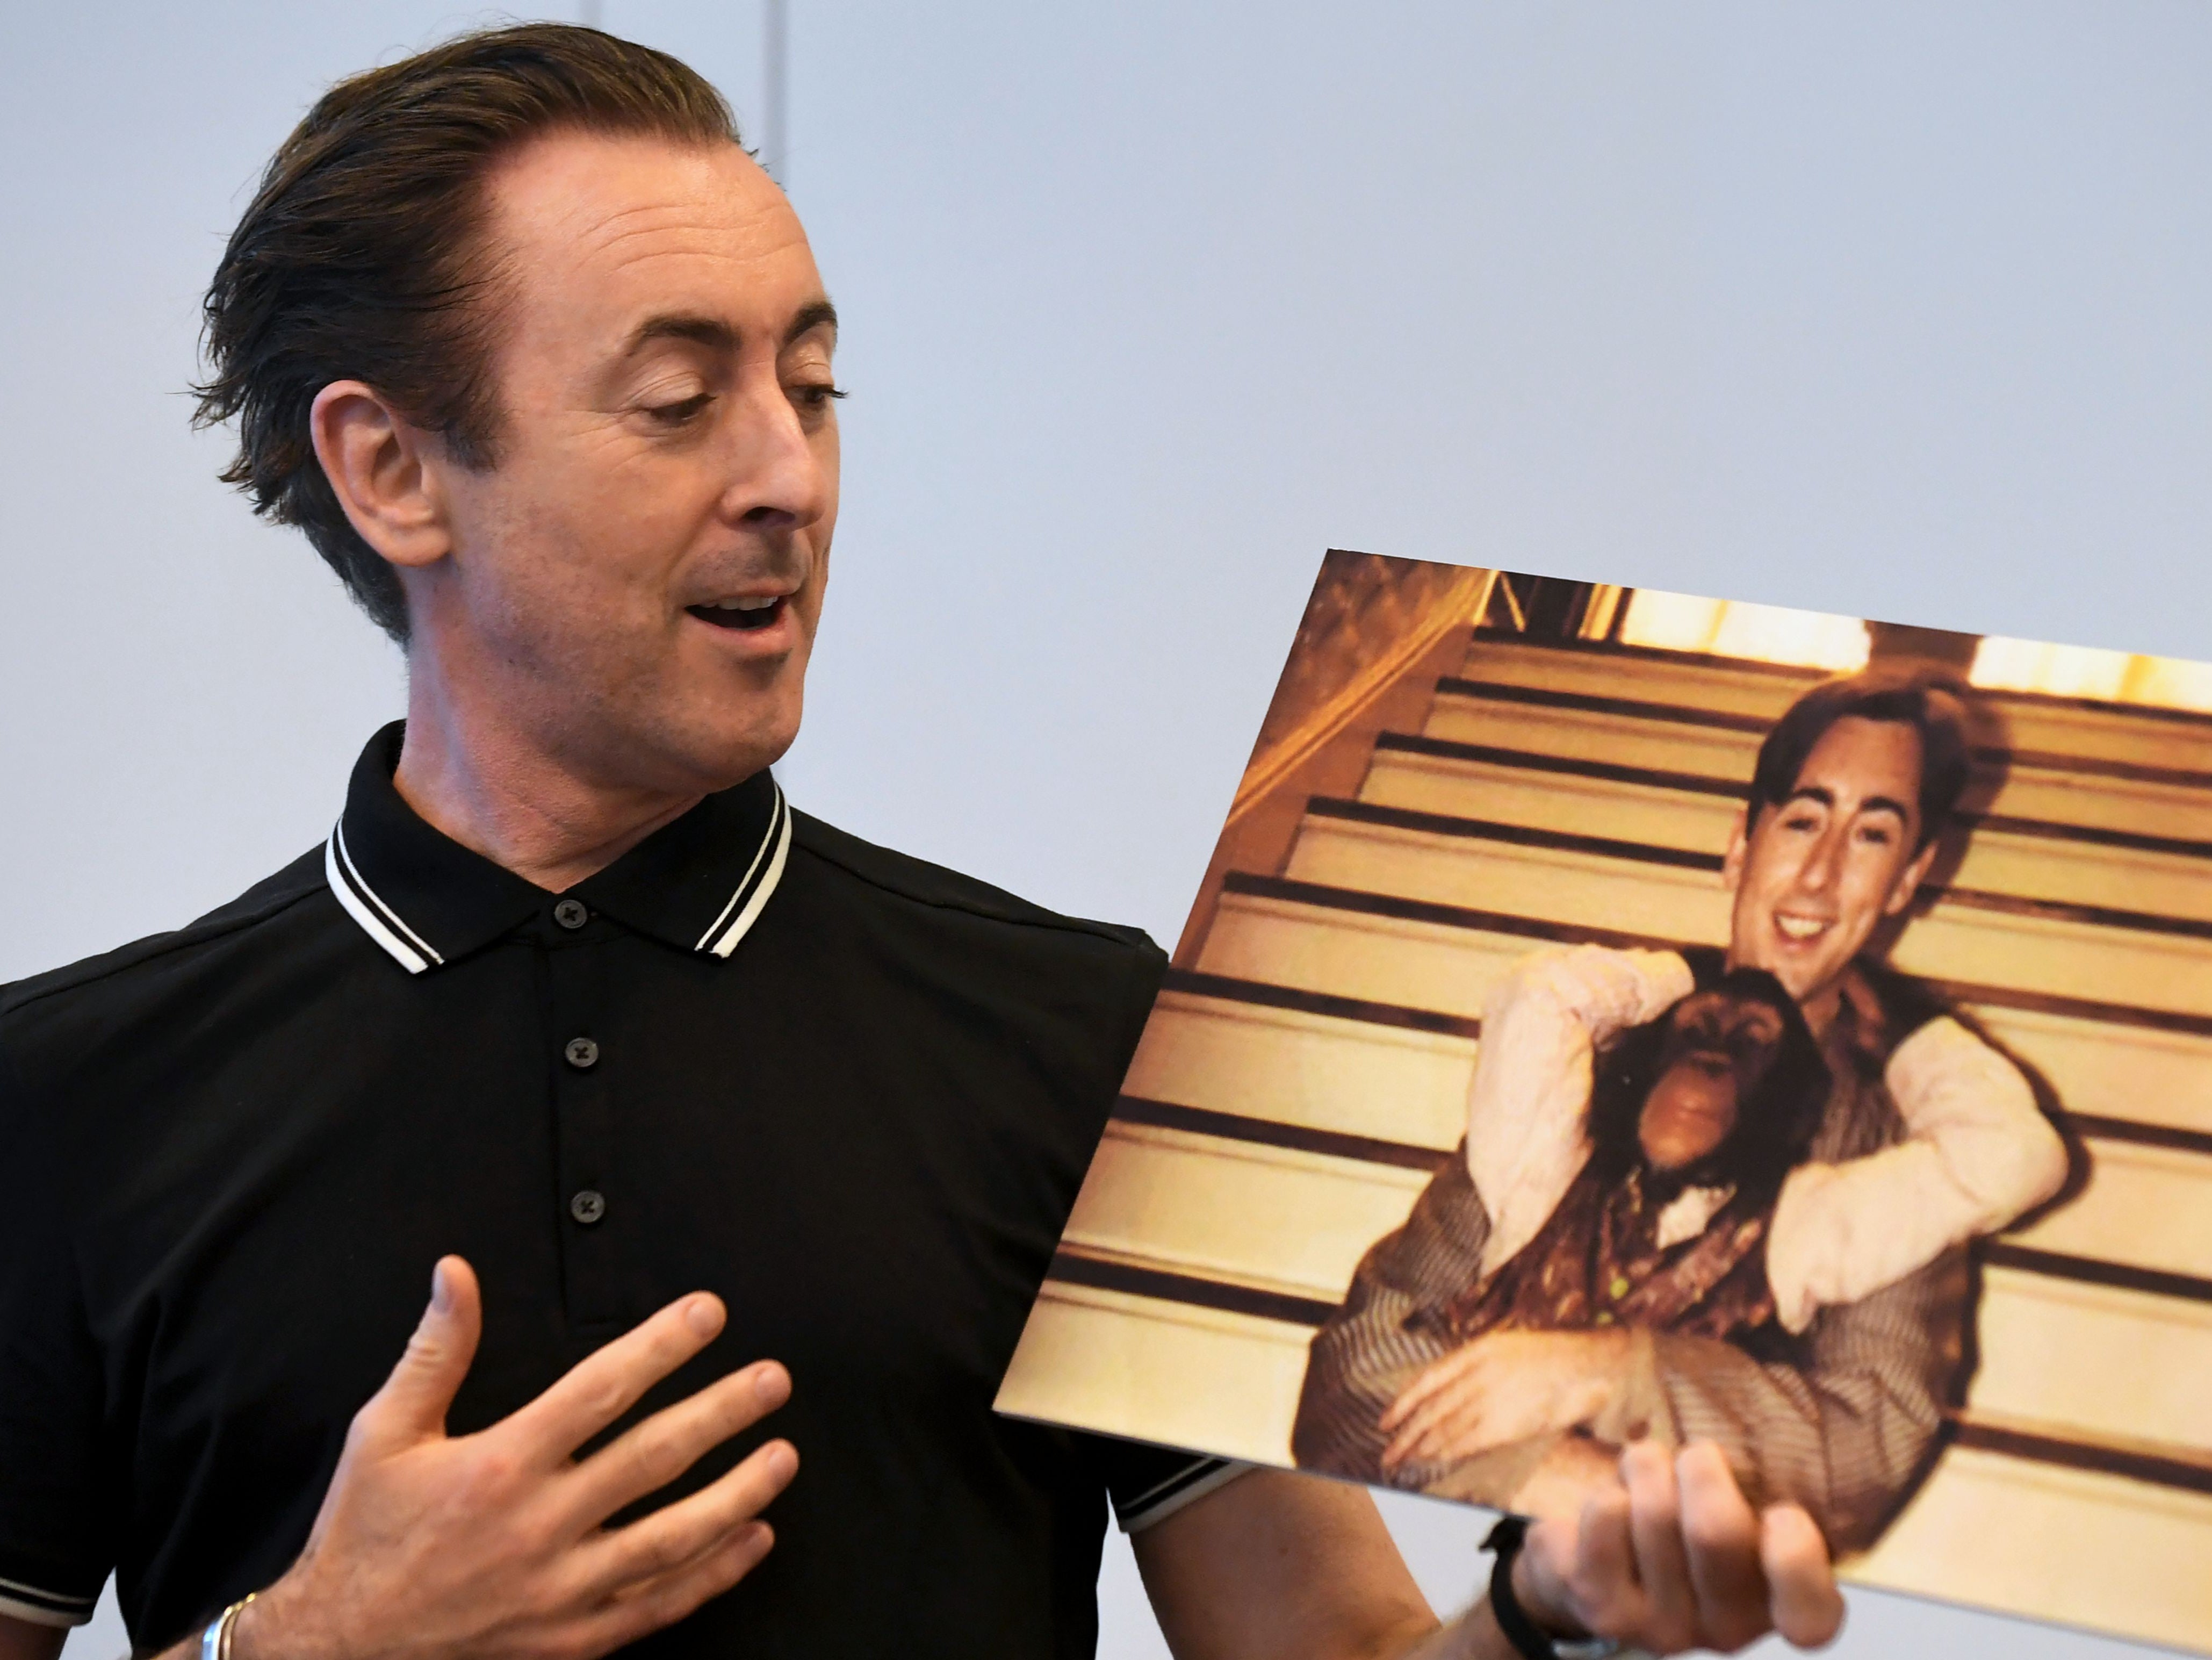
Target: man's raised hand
[1672, 1557]
[492, 1545]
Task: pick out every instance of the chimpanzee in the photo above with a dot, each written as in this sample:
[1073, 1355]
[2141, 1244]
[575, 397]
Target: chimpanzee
[1694, 1120]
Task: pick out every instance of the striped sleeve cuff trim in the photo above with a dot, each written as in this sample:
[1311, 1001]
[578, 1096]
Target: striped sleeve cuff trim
[1185, 1487]
[44, 1607]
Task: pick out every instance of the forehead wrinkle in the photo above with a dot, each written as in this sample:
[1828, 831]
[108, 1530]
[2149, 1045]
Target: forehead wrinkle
[632, 255]
[610, 239]
[639, 259]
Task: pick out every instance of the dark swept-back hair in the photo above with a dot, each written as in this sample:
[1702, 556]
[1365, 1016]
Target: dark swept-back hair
[1932, 703]
[362, 256]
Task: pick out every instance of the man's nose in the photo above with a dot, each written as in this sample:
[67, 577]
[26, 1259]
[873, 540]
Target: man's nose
[1823, 862]
[776, 479]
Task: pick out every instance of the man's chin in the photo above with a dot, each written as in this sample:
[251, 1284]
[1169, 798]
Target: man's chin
[1806, 982]
[700, 757]
[739, 756]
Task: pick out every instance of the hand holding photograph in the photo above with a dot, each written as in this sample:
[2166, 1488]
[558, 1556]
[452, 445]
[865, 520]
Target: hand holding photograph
[1614, 1015]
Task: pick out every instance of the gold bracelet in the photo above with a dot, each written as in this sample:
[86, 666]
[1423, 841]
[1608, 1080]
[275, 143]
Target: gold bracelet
[215, 1641]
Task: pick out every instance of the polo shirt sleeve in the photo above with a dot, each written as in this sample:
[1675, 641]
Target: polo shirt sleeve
[1149, 1484]
[54, 1554]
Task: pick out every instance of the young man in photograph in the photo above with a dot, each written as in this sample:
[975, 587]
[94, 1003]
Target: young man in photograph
[722, 1140]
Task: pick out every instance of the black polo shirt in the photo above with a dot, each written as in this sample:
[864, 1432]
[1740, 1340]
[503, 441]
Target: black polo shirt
[851, 1093]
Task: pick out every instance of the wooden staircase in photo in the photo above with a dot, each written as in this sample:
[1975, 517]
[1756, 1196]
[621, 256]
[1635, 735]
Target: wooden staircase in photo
[1561, 792]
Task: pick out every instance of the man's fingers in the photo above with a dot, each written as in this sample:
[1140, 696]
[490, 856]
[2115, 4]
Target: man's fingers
[1434, 1377]
[1412, 1434]
[1456, 1394]
[618, 1563]
[1456, 1429]
[1723, 1537]
[1808, 1608]
[1421, 1435]
[1662, 1564]
[416, 1397]
[1603, 1583]
[607, 1383]
[662, 1601]
[651, 1455]
[1422, 1389]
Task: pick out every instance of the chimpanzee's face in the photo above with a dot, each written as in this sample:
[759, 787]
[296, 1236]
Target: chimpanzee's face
[1719, 1048]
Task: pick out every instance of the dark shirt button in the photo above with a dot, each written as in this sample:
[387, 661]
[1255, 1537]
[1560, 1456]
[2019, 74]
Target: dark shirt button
[571, 913]
[581, 1053]
[588, 1206]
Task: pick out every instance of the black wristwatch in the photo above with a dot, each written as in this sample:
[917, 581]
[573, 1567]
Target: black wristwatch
[1530, 1643]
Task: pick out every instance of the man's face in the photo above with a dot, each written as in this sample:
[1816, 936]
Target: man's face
[637, 579]
[1819, 871]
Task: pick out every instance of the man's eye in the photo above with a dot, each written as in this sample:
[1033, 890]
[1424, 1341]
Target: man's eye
[677, 413]
[1800, 821]
[816, 394]
[1876, 835]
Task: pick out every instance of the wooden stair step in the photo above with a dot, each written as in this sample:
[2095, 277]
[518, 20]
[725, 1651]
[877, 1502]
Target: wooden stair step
[2043, 1540]
[2116, 796]
[2062, 725]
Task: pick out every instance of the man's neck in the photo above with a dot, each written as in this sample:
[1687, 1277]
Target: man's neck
[1822, 1008]
[493, 786]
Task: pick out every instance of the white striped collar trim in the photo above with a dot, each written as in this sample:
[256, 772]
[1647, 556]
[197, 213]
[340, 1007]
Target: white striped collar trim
[416, 955]
[744, 908]
[378, 920]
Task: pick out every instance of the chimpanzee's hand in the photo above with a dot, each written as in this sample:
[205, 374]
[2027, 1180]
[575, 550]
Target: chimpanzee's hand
[490, 1546]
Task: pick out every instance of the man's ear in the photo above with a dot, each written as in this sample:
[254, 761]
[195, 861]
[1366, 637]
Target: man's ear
[383, 470]
[1739, 849]
[1909, 880]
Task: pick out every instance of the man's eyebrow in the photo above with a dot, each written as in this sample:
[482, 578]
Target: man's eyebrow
[821, 314]
[713, 332]
[710, 332]
[1826, 798]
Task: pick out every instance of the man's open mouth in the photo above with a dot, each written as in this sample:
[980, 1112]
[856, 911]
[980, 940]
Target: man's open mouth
[758, 612]
[1800, 928]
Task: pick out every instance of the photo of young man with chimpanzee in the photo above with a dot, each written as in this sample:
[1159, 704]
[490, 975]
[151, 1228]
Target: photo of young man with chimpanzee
[1616, 1020]
[1709, 1190]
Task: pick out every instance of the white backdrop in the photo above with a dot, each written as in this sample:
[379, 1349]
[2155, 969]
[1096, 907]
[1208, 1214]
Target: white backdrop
[1894, 309]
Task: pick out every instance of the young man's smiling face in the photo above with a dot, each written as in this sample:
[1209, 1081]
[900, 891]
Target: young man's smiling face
[1819, 871]
[636, 577]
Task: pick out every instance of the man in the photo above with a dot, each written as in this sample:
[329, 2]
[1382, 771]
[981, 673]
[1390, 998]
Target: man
[1928, 1137]
[573, 1018]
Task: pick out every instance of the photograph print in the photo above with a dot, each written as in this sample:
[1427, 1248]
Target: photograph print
[1614, 1015]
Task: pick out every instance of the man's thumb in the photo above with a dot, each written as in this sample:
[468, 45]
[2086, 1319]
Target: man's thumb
[415, 1398]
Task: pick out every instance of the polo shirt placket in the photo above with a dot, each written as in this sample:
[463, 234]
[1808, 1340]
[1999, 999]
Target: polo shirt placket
[593, 1213]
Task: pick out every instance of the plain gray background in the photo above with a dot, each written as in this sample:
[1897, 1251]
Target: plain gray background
[1890, 309]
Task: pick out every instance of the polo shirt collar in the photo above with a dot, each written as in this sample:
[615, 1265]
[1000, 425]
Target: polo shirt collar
[698, 883]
